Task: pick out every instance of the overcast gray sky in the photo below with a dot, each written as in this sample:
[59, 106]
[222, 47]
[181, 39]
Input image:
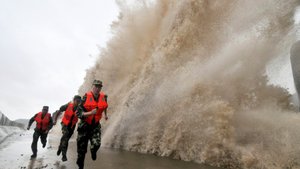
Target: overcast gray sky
[45, 48]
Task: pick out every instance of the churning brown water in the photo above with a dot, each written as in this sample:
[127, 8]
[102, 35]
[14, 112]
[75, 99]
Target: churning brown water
[186, 79]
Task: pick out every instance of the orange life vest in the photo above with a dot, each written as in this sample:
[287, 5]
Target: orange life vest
[70, 116]
[91, 104]
[42, 123]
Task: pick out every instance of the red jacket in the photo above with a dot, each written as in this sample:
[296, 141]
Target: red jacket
[70, 116]
[42, 123]
[91, 104]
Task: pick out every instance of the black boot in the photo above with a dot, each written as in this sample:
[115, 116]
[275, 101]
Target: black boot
[58, 152]
[64, 157]
[94, 155]
[33, 155]
[80, 163]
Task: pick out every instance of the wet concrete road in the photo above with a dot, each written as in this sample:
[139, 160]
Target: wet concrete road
[15, 154]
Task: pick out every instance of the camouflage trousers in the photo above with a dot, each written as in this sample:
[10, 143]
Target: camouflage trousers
[67, 133]
[87, 133]
[37, 133]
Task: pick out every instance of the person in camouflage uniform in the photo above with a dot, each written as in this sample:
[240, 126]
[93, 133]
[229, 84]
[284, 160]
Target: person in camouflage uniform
[68, 124]
[93, 104]
[43, 124]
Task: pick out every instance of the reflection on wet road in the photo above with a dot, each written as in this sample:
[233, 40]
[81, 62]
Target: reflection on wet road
[15, 154]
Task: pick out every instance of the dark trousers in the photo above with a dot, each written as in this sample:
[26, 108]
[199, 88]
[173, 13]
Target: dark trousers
[67, 133]
[38, 133]
[87, 133]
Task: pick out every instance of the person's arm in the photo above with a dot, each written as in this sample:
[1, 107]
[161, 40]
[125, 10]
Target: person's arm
[31, 121]
[50, 124]
[82, 112]
[94, 111]
[80, 109]
[105, 111]
[58, 112]
[105, 114]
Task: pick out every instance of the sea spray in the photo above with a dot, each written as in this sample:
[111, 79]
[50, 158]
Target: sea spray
[187, 79]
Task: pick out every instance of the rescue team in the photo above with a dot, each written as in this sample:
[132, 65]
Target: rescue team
[88, 109]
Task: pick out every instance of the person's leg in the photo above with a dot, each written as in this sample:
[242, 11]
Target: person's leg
[36, 136]
[82, 143]
[64, 148]
[95, 141]
[68, 136]
[44, 139]
[63, 139]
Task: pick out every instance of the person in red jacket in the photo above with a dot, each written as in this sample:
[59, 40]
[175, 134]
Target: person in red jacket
[43, 125]
[90, 110]
[68, 124]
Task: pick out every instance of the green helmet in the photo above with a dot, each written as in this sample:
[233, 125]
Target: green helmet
[97, 82]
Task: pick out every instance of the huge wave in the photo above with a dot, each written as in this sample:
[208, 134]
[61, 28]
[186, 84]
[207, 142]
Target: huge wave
[187, 79]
